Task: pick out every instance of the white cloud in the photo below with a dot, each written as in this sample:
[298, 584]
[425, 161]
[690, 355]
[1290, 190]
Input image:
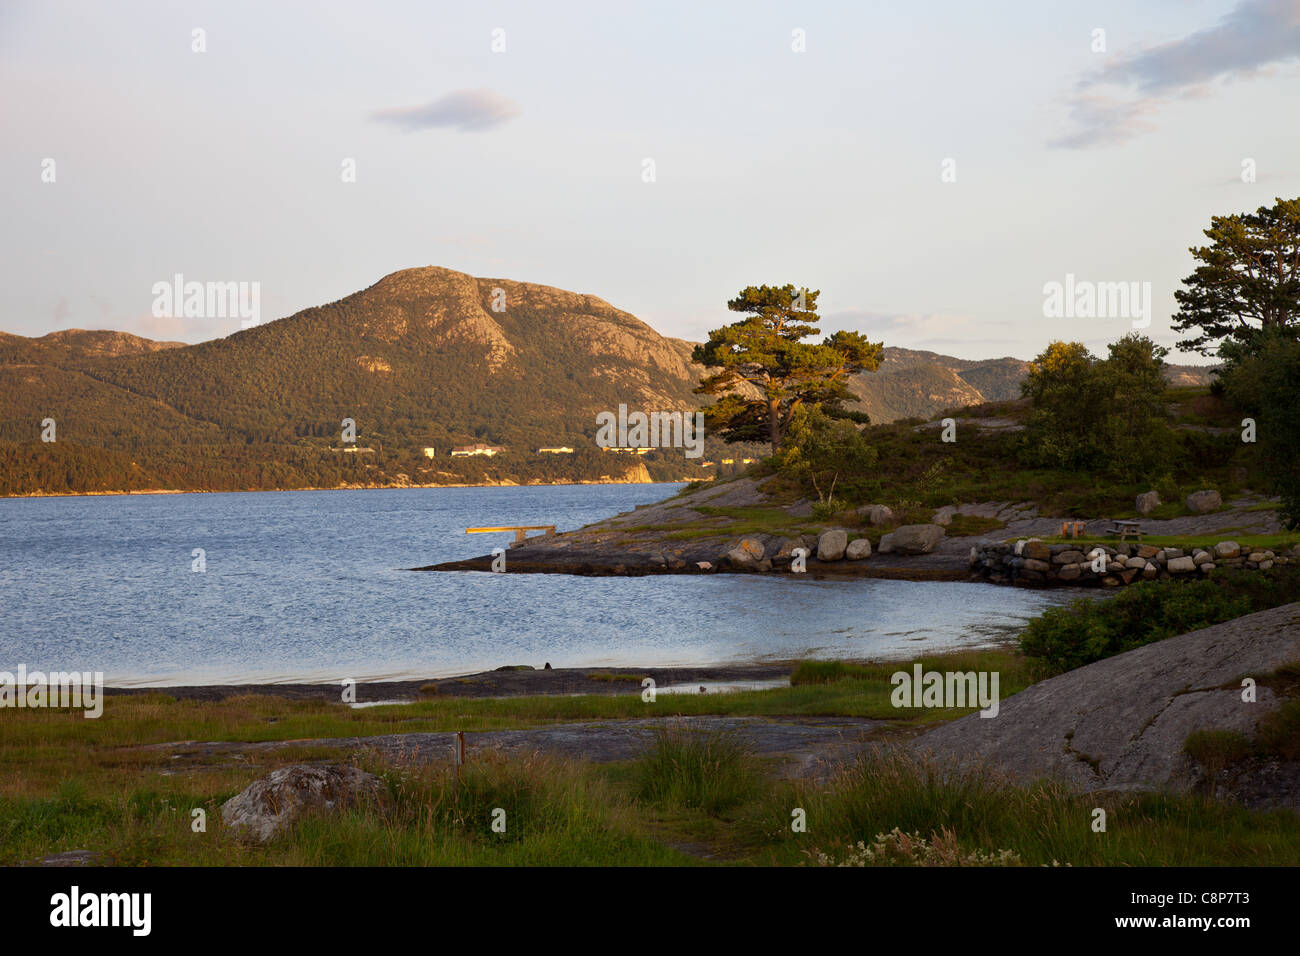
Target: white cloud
[468, 111]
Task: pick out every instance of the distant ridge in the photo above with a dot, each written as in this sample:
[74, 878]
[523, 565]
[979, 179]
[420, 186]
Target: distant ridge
[424, 358]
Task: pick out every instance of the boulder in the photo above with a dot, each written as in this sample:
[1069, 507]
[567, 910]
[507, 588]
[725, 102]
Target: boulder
[920, 539]
[1147, 551]
[876, 514]
[268, 806]
[1180, 565]
[1068, 557]
[858, 549]
[1227, 549]
[1147, 502]
[747, 554]
[1120, 723]
[1203, 502]
[831, 545]
[1070, 572]
[1036, 549]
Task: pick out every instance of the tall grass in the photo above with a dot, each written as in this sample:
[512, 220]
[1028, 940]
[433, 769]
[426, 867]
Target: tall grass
[695, 769]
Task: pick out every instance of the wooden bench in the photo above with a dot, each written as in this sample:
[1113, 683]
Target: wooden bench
[520, 530]
[1072, 529]
[1126, 528]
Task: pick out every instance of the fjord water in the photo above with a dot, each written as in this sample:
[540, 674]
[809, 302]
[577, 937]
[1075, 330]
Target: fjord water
[310, 585]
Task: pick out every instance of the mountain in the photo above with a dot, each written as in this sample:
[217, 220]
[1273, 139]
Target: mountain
[425, 358]
[918, 384]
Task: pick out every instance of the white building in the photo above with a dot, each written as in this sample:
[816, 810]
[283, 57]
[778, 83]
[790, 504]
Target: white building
[476, 449]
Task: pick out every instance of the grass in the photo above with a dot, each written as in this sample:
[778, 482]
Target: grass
[973, 524]
[693, 797]
[697, 770]
[1041, 824]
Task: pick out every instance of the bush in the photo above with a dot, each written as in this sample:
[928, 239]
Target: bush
[1088, 630]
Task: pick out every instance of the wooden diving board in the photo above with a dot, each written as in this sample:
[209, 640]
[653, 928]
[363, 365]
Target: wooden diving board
[520, 530]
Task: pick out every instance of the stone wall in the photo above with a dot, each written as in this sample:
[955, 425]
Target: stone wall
[1034, 563]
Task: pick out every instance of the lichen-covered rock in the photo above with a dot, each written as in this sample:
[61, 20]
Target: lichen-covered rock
[746, 554]
[268, 806]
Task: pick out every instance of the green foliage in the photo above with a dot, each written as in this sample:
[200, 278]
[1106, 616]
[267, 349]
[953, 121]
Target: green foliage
[819, 449]
[1266, 385]
[766, 351]
[1247, 283]
[1089, 629]
[1101, 415]
[1279, 731]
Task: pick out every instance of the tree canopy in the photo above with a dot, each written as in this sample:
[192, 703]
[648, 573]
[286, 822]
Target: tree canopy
[1105, 415]
[767, 371]
[1248, 280]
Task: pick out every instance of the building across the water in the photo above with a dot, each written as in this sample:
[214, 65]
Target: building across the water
[555, 451]
[478, 448]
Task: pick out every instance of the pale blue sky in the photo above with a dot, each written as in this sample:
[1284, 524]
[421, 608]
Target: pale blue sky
[820, 168]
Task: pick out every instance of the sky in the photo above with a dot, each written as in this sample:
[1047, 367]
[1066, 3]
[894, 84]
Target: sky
[929, 167]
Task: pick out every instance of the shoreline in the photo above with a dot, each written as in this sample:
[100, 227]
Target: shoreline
[255, 491]
[508, 681]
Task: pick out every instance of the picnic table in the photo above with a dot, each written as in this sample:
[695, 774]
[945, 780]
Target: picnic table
[1126, 528]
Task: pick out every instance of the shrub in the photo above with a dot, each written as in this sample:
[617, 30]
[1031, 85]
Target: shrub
[1064, 638]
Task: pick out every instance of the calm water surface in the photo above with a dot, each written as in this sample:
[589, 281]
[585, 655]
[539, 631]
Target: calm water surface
[309, 585]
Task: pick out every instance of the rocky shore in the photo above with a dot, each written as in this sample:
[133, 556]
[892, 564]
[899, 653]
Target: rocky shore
[734, 527]
[1035, 563]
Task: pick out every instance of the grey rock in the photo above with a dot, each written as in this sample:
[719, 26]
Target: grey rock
[1181, 565]
[877, 514]
[1068, 557]
[831, 544]
[268, 806]
[1203, 502]
[1121, 723]
[746, 554]
[1227, 549]
[858, 549]
[1147, 502]
[913, 539]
